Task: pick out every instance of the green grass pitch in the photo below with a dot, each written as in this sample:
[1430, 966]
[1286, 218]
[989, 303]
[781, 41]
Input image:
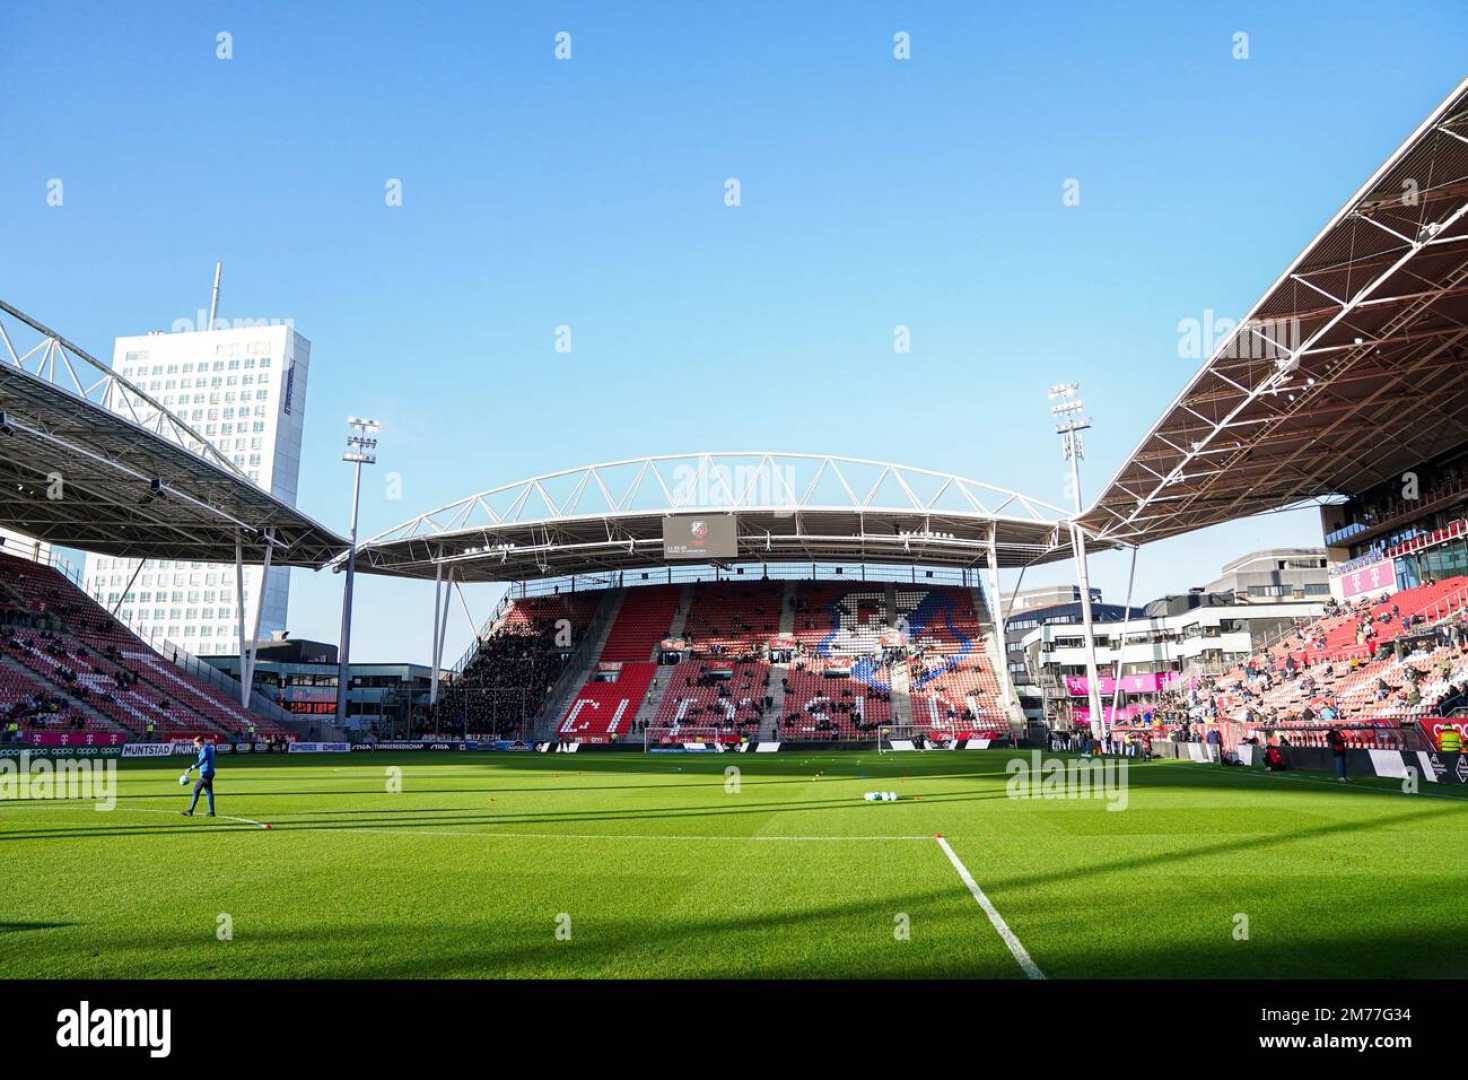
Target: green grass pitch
[482, 862]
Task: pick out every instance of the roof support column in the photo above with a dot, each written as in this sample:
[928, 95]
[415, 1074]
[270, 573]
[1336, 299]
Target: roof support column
[1011, 699]
[441, 607]
[129, 587]
[1093, 684]
[433, 648]
[247, 671]
[1126, 615]
[239, 610]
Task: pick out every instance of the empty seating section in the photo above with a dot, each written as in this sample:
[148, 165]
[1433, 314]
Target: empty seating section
[105, 676]
[839, 619]
[733, 619]
[642, 623]
[603, 711]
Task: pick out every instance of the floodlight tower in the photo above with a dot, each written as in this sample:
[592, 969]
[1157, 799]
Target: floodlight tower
[361, 450]
[1070, 421]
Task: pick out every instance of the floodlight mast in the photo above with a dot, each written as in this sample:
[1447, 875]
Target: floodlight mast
[361, 450]
[1070, 421]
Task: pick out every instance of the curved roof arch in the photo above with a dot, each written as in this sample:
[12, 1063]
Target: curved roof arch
[788, 507]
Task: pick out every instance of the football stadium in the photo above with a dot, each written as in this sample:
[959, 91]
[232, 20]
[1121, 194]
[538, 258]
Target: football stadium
[782, 715]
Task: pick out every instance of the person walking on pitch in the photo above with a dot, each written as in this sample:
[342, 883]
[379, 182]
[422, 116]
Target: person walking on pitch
[205, 765]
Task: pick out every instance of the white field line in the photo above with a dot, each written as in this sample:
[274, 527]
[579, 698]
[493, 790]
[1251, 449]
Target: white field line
[57, 804]
[1016, 947]
[488, 835]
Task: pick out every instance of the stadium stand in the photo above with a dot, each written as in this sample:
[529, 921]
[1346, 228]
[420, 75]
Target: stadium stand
[1384, 671]
[506, 681]
[644, 621]
[97, 673]
[603, 709]
[723, 696]
[695, 662]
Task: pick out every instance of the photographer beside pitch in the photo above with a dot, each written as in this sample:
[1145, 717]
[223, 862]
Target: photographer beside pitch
[205, 764]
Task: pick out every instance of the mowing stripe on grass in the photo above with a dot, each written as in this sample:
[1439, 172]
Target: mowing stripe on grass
[62, 804]
[1016, 948]
[1215, 772]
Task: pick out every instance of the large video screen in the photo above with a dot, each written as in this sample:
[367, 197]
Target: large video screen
[699, 536]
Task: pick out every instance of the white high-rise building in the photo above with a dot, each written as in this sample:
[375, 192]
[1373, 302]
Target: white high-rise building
[244, 390]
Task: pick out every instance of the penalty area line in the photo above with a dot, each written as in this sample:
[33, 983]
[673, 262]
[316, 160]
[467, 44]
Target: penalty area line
[1015, 946]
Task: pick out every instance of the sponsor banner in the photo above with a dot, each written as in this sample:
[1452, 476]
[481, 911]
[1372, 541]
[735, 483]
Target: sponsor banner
[448, 746]
[73, 738]
[319, 748]
[1146, 683]
[687, 748]
[1389, 763]
[1438, 768]
[1378, 577]
[148, 749]
[766, 747]
[16, 749]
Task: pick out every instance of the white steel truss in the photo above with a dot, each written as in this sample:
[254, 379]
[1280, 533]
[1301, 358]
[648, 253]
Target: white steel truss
[74, 370]
[788, 507]
[1349, 369]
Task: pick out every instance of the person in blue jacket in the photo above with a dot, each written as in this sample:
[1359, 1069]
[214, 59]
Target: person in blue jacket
[205, 764]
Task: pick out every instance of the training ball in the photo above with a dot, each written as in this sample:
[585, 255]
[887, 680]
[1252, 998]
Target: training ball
[184, 779]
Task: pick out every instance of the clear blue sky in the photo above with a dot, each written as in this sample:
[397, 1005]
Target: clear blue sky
[590, 192]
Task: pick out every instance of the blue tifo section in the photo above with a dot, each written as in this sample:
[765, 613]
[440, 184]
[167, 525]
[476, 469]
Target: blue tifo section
[934, 606]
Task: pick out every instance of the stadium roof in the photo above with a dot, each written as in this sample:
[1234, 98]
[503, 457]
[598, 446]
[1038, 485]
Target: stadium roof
[81, 449]
[787, 508]
[1348, 371]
